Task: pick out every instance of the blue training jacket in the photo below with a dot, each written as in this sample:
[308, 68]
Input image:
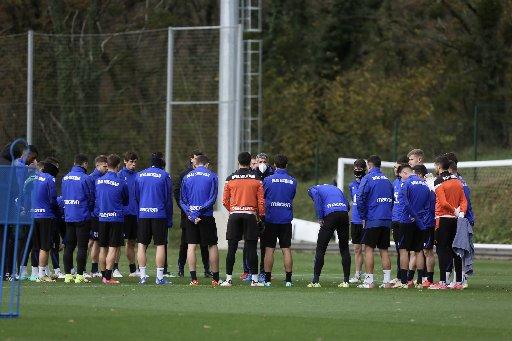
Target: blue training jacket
[280, 189]
[397, 205]
[467, 193]
[153, 192]
[78, 196]
[375, 199]
[130, 177]
[418, 203]
[328, 199]
[44, 196]
[111, 197]
[95, 175]
[198, 193]
[352, 188]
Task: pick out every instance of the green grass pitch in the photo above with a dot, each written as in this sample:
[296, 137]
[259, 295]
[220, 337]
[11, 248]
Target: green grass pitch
[179, 312]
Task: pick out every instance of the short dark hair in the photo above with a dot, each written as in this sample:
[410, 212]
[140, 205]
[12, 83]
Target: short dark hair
[100, 158]
[375, 160]
[202, 159]
[254, 157]
[113, 160]
[195, 152]
[80, 159]
[420, 170]
[360, 163]
[443, 162]
[244, 159]
[403, 159]
[157, 160]
[403, 166]
[130, 156]
[452, 157]
[53, 160]
[453, 166]
[281, 161]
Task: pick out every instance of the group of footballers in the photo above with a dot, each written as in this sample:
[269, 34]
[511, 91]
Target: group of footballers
[97, 212]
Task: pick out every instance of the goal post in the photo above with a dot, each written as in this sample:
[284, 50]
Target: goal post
[490, 183]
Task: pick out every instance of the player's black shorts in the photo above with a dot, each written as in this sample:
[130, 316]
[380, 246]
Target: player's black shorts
[395, 230]
[356, 233]
[110, 234]
[273, 232]
[411, 237]
[203, 233]
[376, 237]
[130, 227]
[95, 228]
[428, 238]
[43, 229]
[445, 233]
[242, 224]
[155, 228]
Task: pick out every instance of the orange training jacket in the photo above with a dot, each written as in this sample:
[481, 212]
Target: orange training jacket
[449, 195]
[243, 192]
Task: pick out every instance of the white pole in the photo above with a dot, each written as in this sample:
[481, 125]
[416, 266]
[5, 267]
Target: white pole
[239, 92]
[30, 88]
[168, 104]
[227, 91]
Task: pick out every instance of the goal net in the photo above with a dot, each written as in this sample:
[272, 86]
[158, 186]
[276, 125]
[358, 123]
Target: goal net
[490, 183]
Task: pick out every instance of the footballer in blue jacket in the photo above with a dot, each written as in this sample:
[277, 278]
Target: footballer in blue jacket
[356, 224]
[111, 197]
[280, 188]
[375, 204]
[153, 192]
[331, 208]
[198, 195]
[78, 206]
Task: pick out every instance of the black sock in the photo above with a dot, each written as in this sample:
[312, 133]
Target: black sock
[268, 277]
[103, 273]
[116, 266]
[215, 276]
[108, 274]
[316, 278]
[403, 276]
[410, 275]
[193, 275]
[94, 268]
[132, 268]
[430, 276]
[419, 280]
[288, 276]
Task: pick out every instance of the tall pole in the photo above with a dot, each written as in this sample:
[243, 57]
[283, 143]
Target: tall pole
[239, 92]
[227, 90]
[168, 104]
[30, 87]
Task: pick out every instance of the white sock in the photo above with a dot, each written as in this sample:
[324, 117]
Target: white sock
[254, 278]
[357, 274]
[448, 277]
[56, 271]
[23, 270]
[159, 273]
[229, 278]
[142, 271]
[41, 272]
[387, 276]
[369, 278]
[35, 271]
[47, 270]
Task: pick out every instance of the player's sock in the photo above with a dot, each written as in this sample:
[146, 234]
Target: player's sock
[268, 277]
[358, 274]
[94, 268]
[160, 273]
[447, 278]
[35, 271]
[369, 278]
[288, 276]
[430, 277]
[254, 278]
[410, 275]
[104, 273]
[229, 277]
[108, 274]
[41, 271]
[387, 276]
[193, 275]
[142, 270]
[215, 276]
[316, 278]
[420, 276]
[133, 268]
[47, 270]
[116, 266]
